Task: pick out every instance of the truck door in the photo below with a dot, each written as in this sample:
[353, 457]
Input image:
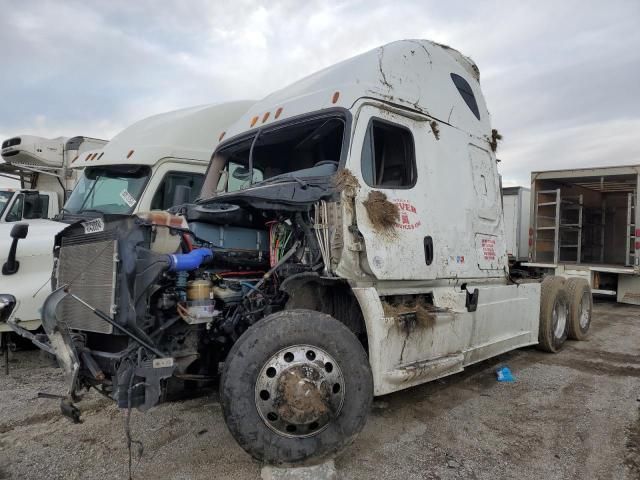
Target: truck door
[392, 210]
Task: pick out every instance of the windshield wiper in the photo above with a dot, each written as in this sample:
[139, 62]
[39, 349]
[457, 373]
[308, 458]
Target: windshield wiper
[90, 210]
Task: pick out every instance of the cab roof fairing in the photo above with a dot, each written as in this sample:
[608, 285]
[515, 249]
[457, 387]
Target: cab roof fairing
[413, 74]
[188, 133]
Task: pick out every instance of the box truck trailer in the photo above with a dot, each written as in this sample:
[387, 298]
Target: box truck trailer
[348, 242]
[584, 223]
[42, 170]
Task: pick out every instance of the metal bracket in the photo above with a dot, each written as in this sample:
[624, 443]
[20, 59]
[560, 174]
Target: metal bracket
[471, 302]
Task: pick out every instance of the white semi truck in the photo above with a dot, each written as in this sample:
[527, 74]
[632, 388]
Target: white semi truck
[349, 242]
[141, 169]
[42, 170]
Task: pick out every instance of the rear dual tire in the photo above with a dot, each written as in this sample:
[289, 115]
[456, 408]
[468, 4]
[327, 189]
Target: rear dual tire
[554, 314]
[565, 312]
[580, 307]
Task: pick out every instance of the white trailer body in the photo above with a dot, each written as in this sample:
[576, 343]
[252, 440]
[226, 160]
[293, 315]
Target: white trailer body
[137, 171]
[516, 208]
[584, 223]
[45, 164]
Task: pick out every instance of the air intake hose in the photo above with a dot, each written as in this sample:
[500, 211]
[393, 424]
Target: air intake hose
[183, 262]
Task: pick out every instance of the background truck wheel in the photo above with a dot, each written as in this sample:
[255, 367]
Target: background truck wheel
[580, 306]
[554, 314]
[296, 387]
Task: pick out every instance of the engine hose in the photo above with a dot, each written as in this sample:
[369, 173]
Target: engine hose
[184, 262]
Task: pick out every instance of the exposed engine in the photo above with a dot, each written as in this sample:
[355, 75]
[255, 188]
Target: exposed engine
[186, 286]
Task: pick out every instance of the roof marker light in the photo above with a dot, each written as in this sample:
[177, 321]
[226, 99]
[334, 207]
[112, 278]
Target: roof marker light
[130, 153]
[265, 117]
[278, 112]
[254, 120]
[335, 97]
[221, 136]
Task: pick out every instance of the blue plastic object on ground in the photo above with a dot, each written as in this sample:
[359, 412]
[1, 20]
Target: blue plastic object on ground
[505, 375]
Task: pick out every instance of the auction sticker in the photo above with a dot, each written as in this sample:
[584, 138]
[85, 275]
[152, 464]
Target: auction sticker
[93, 226]
[127, 198]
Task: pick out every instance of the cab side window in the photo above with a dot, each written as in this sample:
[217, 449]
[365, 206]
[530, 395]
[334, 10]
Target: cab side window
[15, 214]
[35, 206]
[388, 156]
[164, 196]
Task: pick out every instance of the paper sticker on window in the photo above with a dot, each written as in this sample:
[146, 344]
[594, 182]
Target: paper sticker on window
[127, 198]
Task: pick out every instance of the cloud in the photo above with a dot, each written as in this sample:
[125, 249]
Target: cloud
[559, 77]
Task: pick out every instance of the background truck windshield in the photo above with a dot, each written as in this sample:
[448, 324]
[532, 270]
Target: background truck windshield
[4, 200]
[109, 189]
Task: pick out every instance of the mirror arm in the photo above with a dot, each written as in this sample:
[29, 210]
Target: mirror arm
[11, 266]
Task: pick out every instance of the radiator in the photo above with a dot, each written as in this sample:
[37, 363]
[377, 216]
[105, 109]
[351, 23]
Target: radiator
[88, 264]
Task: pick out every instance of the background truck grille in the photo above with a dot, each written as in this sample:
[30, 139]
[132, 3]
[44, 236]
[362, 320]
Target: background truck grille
[88, 264]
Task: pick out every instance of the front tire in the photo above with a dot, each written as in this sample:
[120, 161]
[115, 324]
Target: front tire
[296, 388]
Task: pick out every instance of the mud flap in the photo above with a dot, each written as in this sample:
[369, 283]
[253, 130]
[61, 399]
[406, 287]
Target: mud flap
[152, 375]
[148, 374]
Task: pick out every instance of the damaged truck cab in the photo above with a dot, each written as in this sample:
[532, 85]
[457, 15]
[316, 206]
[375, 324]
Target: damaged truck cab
[348, 242]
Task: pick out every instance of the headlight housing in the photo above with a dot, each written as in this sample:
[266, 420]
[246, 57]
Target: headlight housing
[7, 304]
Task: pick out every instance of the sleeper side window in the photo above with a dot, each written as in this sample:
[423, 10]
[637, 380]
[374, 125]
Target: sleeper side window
[388, 156]
[467, 94]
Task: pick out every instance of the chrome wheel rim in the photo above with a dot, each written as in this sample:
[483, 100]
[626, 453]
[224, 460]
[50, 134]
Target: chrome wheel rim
[559, 319]
[299, 390]
[585, 311]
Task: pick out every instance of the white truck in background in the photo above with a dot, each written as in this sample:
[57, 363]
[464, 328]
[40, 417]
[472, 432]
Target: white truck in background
[147, 166]
[43, 172]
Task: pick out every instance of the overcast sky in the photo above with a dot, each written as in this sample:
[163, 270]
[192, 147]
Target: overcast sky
[560, 77]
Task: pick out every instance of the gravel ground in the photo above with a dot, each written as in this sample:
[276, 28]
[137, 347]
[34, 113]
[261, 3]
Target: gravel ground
[570, 415]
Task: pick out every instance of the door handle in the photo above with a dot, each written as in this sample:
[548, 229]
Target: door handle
[428, 250]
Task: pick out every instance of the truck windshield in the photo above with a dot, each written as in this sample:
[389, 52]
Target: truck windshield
[308, 148]
[4, 200]
[109, 189]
